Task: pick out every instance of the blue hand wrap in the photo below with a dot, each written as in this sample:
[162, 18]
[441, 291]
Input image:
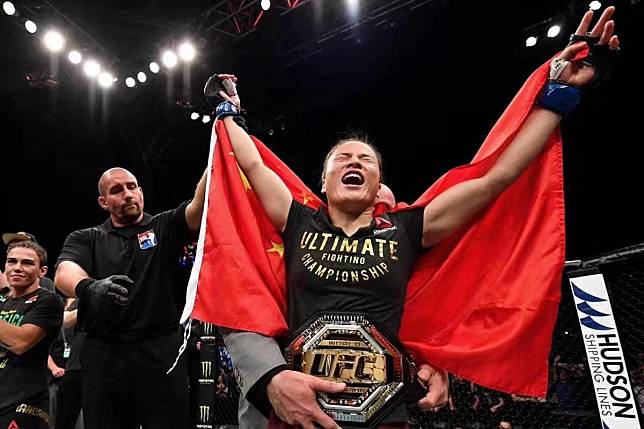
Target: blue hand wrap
[226, 108]
[559, 97]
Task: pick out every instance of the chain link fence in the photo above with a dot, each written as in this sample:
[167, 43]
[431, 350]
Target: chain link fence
[570, 403]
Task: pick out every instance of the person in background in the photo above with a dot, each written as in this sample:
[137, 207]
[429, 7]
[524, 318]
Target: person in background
[30, 318]
[68, 392]
[13, 237]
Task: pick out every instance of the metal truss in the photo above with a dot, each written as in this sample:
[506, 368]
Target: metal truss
[237, 18]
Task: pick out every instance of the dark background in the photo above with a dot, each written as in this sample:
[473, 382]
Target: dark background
[425, 81]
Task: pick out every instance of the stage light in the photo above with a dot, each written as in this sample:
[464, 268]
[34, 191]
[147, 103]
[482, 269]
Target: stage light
[595, 5]
[531, 41]
[8, 8]
[169, 59]
[187, 51]
[31, 26]
[266, 4]
[141, 77]
[130, 82]
[205, 119]
[105, 79]
[353, 6]
[154, 67]
[75, 57]
[194, 116]
[54, 41]
[91, 68]
[554, 31]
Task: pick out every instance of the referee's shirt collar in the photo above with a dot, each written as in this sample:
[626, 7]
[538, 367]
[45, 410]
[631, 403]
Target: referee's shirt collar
[108, 227]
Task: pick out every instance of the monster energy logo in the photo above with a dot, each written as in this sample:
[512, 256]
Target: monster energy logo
[206, 369]
[204, 413]
[208, 328]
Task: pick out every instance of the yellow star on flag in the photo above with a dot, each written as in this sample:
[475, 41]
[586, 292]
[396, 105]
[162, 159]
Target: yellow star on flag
[277, 248]
[305, 198]
[244, 179]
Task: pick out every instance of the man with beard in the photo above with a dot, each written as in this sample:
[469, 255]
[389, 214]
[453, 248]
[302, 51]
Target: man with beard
[130, 299]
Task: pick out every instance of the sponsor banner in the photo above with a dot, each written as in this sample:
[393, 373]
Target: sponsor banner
[208, 329]
[206, 374]
[612, 387]
[204, 417]
[206, 369]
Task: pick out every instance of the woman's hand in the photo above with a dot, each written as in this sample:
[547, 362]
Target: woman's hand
[580, 72]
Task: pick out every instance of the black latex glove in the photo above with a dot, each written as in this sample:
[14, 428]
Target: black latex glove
[101, 303]
[114, 288]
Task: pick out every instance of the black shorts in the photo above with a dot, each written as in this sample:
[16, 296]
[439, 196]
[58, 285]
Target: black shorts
[30, 414]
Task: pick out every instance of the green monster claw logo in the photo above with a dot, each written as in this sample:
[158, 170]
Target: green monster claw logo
[204, 413]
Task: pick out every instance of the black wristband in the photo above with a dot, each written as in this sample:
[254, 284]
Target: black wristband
[81, 287]
[257, 394]
[415, 392]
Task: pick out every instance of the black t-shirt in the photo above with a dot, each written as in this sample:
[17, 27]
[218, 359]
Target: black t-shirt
[57, 350]
[24, 376]
[366, 273]
[73, 363]
[74, 339]
[60, 350]
[148, 253]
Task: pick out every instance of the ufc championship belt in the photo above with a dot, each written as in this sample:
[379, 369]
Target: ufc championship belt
[352, 349]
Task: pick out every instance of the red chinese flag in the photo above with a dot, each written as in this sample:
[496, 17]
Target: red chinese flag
[481, 304]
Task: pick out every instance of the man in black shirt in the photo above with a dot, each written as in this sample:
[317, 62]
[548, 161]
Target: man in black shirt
[30, 318]
[131, 293]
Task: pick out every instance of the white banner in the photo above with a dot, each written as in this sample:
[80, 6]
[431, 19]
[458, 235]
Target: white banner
[608, 370]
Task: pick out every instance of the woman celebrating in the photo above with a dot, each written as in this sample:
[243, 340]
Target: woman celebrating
[347, 258]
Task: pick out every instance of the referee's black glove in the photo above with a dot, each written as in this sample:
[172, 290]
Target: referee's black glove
[114, 287]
